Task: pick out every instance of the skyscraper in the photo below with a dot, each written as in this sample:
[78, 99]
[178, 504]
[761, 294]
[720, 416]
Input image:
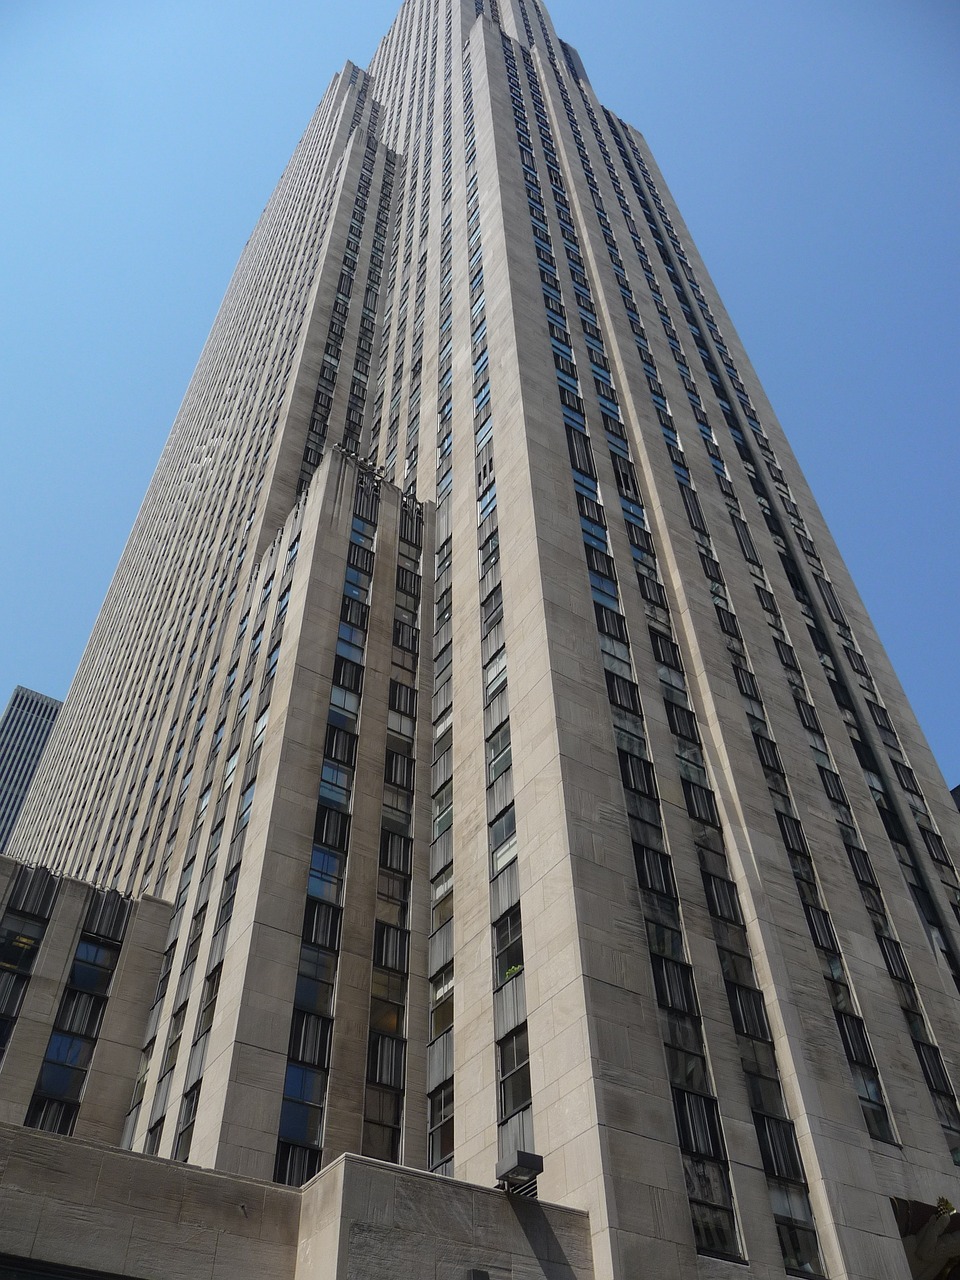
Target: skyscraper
[24, 729]
[482, 696]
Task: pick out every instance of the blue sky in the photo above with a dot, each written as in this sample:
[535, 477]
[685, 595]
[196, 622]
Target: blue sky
[812, 147]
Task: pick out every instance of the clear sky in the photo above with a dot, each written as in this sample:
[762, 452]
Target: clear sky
[811, 145]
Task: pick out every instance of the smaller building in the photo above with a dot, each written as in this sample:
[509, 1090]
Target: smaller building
[24, 731]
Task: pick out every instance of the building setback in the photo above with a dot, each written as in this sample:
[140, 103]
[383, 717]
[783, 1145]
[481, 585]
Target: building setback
[24, 729]
[487, 746]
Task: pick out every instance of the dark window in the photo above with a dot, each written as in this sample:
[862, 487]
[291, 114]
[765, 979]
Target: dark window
[653, 870]
[854, 1036]
[749, 1014]
[341, 745]
[768, 753]
[622, 693]
[440, 1125]
[399, 770]
[792, 832]
[674, 984]
[821, 928]
[935, 846]
[830, 600]
[682, 722]
[347, 674]
[857, 661]
[513, 1060]
[880, 717]
[745, 539]
[710, 567]
[722, 899]
[768, 601]
[507, 946]
[403, 698]
[691, 503]
[747, 682]
[808, 715]
[581, 455]
[778, 1147]
[698, 1124]
[894, 958]
[934, 1072]
[860, 861]
[832, 785]
[906, 777]
[637, 774]
[651, 590]
[700, 802]
[786, 654]
[728, 622]
[611, 623]
[664, 650]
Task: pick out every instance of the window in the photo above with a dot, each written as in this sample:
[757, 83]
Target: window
[832, 785]
[722, 900]
[698, 1124]
[651, 590]
[611, 623]
[767, 601]
[188, 1113]
[830, 600]
[406, 637]
[19, 941]
[399, 770]
[808, 715]
[403, 698]
[701, 803]
[581, 456]
[934, 1072]
[746, 682]
[673, 982]
[692, 505]
[622, 692]
[906, 777]
[778, 1147]
[786, 654]
[341, 745]
[710, 567]
[441, 1002]
[728, 622]
[792, 833]
[747, 1009]
[513, 1059]
[665, 650]
[653, 870]
[821, 928]
[880, 717]
[894, 958]
[391, 946]
[637, 774]
[857, 661]
[348, 675]
[440, 1125]
[682, 722]
[935, 846]
[860, 861]
[93, 966]
[768, 753]
[744, 538]
[309, 1039]
[507, 946]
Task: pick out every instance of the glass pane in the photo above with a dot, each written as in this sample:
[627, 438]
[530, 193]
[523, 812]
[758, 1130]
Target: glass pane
[714, 1229]
[799, 1248]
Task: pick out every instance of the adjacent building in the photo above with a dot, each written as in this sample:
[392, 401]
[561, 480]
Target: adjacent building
[24, 729]
[486, 745]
